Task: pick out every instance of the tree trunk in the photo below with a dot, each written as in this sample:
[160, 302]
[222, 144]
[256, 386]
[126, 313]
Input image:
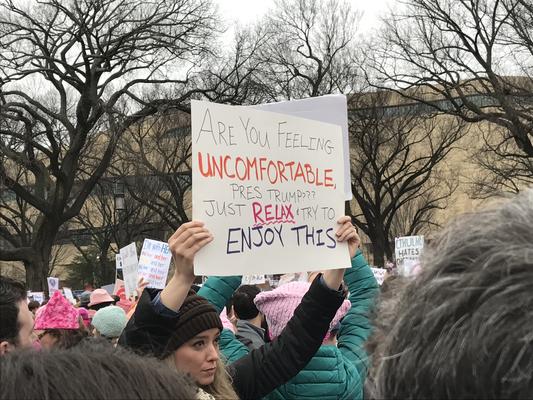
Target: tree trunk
[37, 268]
[106, 273]
[389, 251]
[36, 271]
[379, 253]
[379, 244]
[34, 276]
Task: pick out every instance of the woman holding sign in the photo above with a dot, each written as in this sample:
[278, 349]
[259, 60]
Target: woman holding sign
[183, 329]
[338, 369]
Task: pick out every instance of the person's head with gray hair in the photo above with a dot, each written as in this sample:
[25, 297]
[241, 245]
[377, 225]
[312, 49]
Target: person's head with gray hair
[464, 327]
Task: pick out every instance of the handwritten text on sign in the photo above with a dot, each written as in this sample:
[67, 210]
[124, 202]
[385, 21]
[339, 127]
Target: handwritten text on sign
[408, 250]
[270, 189]
[379, 274]
[154, 262]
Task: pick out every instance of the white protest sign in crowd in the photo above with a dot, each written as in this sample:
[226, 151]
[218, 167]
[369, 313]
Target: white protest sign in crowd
[69, 295]
[270, 187]
[154, 262]
[118, 262]
[53, 285]
[130, 265]
[379, 274]
[37, 296]
[152, 265]
[256, 279]
[408, 250]
[331, 109]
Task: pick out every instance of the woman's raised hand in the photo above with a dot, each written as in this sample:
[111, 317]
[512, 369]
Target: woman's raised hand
[345, 233]
[185, 243]
[141, 285]
[348, 233]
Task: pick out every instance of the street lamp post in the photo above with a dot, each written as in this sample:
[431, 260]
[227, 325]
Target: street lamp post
[120, 207]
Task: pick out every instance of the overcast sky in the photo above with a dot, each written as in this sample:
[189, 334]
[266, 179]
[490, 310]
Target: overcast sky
[246, 11]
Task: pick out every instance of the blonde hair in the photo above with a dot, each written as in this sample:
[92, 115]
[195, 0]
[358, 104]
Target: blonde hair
[221, 388]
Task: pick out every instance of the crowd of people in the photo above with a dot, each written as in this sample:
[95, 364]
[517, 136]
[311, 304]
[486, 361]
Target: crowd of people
[462, 328]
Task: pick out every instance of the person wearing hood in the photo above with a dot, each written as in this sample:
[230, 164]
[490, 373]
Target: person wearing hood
[338, 369]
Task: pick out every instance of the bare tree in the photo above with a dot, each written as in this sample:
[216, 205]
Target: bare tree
[473, 60]
[158, 154]
[235, 76]
[67, 72]
[520, 32]
[108, 228]
[157, 150]
[18, 219]
[502, 168]
[308, 49]
[396, 156]
[17, 216]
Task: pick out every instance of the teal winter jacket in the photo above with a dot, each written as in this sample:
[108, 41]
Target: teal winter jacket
[335, 372]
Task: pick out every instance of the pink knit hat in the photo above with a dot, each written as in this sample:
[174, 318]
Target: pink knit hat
[58, 313]
[84, 314]
[278, 306]
[99, 296]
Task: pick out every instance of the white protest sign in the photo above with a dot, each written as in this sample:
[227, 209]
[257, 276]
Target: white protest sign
[53, 285]
[69, 295]
[379, 274]
[270, 189]
[37, 296]
[130, 264]
[332, 109]
[256, 279]
[154, 262]
[408, 250]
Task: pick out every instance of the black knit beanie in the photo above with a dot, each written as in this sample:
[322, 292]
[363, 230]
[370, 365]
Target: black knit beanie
[195, 316]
